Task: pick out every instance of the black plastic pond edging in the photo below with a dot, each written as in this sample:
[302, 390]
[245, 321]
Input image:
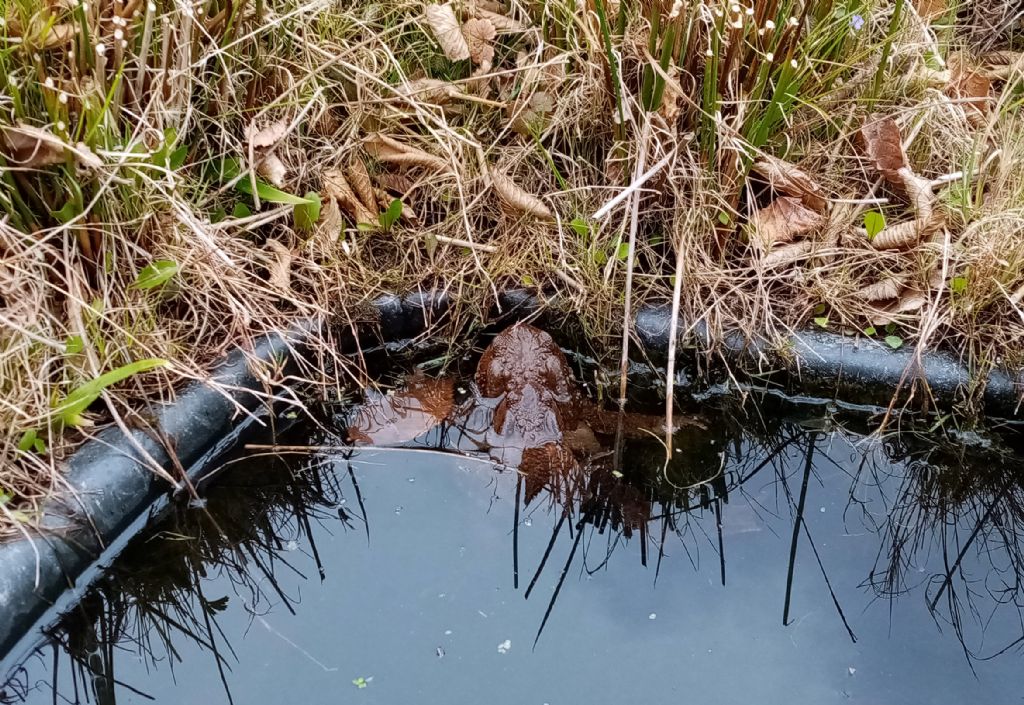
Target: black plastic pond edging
[116, 492]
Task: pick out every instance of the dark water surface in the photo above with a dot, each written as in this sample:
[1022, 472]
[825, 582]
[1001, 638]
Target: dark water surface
[815, 566]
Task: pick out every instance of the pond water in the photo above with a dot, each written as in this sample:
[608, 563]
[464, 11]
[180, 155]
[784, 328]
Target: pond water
[777, 558]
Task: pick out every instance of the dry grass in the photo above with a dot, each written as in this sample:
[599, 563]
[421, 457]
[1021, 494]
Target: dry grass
[150, 150]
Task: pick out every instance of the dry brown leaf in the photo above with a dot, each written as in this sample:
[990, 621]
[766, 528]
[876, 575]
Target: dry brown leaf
[919, 193]
[35, 147]
[910, 301]
[336, 186]
[791, 181]
[430, 90]
[359, 180]
[501, 22]
[929, 10]
[387, 149]
[445, 25]
[267, 136]
[888, 288]
[905, 235]
[513, 195]
[787, 254]
[971, 86]
[328, 227]
[883, 145]
[396, 183]
[273, 170]
[41, 33]
[479, 35]
[279, 271]
[782, 220]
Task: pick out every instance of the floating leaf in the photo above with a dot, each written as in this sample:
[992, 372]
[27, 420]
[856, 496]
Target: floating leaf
[155, 274]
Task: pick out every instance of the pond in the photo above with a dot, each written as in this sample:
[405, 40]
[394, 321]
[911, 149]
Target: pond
[783, 555]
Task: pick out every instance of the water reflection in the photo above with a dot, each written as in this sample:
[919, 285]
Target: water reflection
[941, 516]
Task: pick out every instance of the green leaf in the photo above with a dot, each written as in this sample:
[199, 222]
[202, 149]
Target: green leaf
[894, 341]
[365, 227]
[73, 345]
[600, 257]
[580, 226]
[874, 223]
[527, 280]
[218, 215]
[391, 215]
[869, 331]
[28, 440]
[241, 211]
[822, 321]
[39, 446]
[307, 214]
[724, 218]
[268, 193]
[5, 497]
[958, 285]
[359, 682]
[69, 411]
[70, 210]
[176, 159]
[155, 274]
[623, 251]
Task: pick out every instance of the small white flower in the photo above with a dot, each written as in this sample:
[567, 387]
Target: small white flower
[101, 49]
[749, 11]
[737, 23]
[49, 82]
[769, 24]
[61, 126]
[770, 56]
[708, 53]
[118, 34]
[794, 64]
[793, 21]
[62, 98]
[735, 8]
[151, 7]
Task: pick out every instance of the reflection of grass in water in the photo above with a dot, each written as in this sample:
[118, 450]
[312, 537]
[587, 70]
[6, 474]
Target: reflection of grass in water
[153, 597]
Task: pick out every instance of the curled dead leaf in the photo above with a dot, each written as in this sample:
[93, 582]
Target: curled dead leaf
[883, 145]
[888, 288]
[910, 301]
[791, 181]
[336, 186]
[266, 136]
[501, 22]
[787, 254]
[514, 195]
[279, 271]
[273, 170]
[42, 32]
[970, 87]
[782, 221]
[359, 180]
[919, 193]
[445, 25]
[387, 149]
[34, 147]
[479, 35]
[906, 235]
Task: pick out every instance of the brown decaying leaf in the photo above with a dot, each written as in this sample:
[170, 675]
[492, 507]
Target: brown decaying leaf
[929, 10]
[34, 147]
[387, 149]
[336, 186]
[791, 181]
[501, 22]
[904, 235]
[267, 136]
[273, 170]
[359, 180]
[782, 220]
[880, 137]
[396, 183]
[910, 301]
[404, 415]
[971, 86]
[888, 288]
[445, 25]
[513, 195]
[479, 35]
[787, 254]
[429, 90]
[56, 35]
[328, 229]
[279, 271]
[919, 193]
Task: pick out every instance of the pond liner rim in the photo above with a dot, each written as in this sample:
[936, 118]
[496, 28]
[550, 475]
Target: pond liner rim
[116, 493]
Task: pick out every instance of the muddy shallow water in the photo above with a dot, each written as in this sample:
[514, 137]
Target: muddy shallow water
[776, 559]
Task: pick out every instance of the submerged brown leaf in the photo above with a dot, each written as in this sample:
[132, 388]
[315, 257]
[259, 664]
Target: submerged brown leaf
[791, 181]
[783, 220]
[881, 140]
[513, 195]
[404, 415]
[445, 25]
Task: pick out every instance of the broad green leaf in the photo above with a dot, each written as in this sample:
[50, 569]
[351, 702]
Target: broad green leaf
[600, 257]
[724, 218]
[623, 251]
[307, 214]
[874, 223]
[70, 210]
[365, 227]
[958, 285]
[218, 215]
[869, 331]
[894, 341]
[822, 321]
[241, 211]
[69, 411]
[391, 215]
[176, 159]
[28, 440]
[268, 193]
[581, 226]
[73, 345]
[155, 274]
